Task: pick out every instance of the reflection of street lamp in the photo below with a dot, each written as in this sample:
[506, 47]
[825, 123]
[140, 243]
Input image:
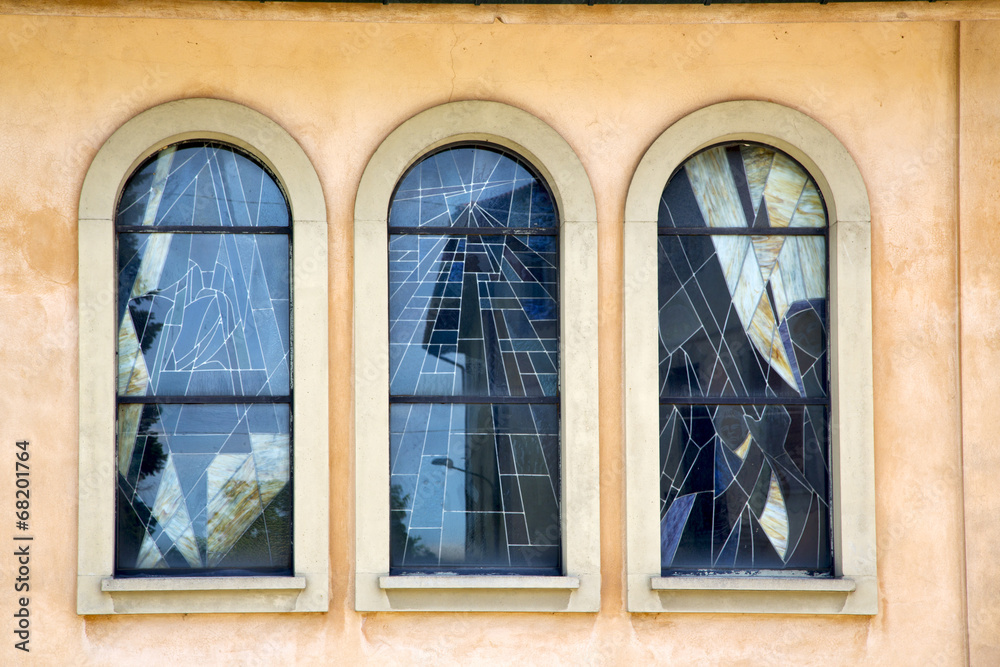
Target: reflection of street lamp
[450, 465]
[482, 534]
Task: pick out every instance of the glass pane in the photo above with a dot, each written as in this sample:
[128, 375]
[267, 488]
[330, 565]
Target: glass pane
[742, 316]
[203, 486]
[744, 487]
[203, 314]
[740, 186]
[474, 487]
[202, 184]
[473, 315]
[471, 187]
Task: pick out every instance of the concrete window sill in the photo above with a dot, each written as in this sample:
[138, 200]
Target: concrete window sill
[777, 584]
[475, 581]
[112, 585]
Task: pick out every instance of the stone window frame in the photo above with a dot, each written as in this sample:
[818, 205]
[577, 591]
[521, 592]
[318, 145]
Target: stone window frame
[854, 588]
[578, 589]
[307, 589]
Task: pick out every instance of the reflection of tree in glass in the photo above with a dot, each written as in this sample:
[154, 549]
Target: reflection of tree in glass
[130, 528]
[143, 319]
[153, 455]
[401, 541]
[154, 458]
[134, 518]
[128, 269]
[129, 260]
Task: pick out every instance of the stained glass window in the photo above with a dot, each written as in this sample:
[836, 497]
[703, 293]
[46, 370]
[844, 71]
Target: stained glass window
[474, 366]
[204, 382]
[743, 355]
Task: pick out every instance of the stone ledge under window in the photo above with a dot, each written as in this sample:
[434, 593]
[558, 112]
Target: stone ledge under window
[791, 584]
[476, 581]
[112, 585]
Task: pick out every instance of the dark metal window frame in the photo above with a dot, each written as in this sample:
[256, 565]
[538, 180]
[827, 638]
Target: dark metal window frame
[711, 402]
[232, 399]
[466, 232]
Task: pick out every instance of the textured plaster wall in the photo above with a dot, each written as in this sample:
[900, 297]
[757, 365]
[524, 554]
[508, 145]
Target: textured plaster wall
[610, 81]
[980, 281]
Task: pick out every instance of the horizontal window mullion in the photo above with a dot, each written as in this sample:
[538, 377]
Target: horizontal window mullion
[199, 229]
[523, 400]
[742, 231]
[209, 400]
[743, 400]
[477, 231]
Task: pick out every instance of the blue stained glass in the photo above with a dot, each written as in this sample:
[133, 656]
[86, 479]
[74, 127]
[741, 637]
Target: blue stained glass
[457, 305]
[471, 187]
[202, 184]
[208, 313]
[203, 488]
[474, 486]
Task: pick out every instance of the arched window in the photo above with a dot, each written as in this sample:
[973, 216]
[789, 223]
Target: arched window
[474, 366]
[204, 382]
[203, 340]
[748, 407]
[475, 377]
[744, 387]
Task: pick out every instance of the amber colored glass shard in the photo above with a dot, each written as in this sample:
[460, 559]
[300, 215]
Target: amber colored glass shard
[784, 186]
[774, 518]
[757, 164]
[132, 375]
[714, 189]
[810, 211]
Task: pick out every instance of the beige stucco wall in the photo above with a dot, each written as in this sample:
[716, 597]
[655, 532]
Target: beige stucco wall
[898, 93]
[980, 281]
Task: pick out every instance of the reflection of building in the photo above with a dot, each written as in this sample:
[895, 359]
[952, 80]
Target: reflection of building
[487, 331]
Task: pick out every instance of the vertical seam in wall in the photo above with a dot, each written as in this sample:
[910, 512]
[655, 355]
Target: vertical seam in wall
[622, 453]
[963, 570]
